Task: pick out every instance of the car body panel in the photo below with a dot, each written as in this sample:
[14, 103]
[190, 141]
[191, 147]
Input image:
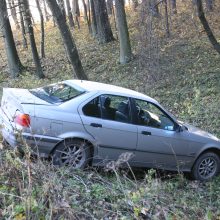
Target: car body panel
[167, 149]
[111, 136]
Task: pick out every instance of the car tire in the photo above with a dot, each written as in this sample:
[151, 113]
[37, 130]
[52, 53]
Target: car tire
[206, 167]
[73, 153]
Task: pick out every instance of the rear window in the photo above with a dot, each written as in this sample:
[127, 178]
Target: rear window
[57, 93]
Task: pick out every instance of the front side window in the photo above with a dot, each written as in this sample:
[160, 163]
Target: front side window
[57, 93]
[151, 115]
[110, 107]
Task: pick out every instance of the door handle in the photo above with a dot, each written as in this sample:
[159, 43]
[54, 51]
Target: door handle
[96, 125]
[146, 133]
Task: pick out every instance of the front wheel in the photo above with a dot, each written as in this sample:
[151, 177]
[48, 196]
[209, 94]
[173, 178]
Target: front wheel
[72, 153]
[206, 166]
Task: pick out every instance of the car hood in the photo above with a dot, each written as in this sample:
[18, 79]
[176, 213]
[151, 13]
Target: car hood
[199, 132]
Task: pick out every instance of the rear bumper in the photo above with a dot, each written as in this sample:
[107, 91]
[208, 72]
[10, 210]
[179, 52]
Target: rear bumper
[7, 130]
[9, 137]
[40, 144]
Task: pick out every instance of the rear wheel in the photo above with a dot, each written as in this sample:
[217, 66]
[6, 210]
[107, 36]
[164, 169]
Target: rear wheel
[72, 153]
[206, 166]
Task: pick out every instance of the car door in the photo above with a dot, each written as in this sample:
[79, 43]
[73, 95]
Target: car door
[108, 119]
[159, 144]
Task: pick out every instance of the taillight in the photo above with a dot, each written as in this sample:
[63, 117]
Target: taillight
[23, 120]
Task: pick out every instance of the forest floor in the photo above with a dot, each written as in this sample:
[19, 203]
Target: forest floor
[182, 72]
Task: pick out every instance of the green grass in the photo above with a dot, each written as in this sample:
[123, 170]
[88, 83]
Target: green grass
[186, 80]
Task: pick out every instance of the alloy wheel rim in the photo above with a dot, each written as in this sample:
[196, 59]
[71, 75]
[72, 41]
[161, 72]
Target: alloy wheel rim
[207, 167]
[73, 155]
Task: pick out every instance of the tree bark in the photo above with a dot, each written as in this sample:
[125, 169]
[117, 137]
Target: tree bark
[12, 7]
[68, 40]
[205, 24]
[115, 23]
[93, 18]
[167, 19]
[109, 7]
[89, 13]
[23, 31]
[173, 6]
[62, 7]
[46, 14]
[209, 5]
[125, 46]
[76, 12]
[42, 29]
[153, 5]
[14, 62]
[86, 16]
[103, 25]
[29, 26]
[69, 14]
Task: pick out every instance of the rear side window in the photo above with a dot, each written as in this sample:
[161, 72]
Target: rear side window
[109, 107]
[92, 108]
[57, 93]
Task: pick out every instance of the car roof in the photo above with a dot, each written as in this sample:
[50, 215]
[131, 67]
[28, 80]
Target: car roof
[96, 86]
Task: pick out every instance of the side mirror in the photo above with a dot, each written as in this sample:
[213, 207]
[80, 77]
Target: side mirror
[181, 128]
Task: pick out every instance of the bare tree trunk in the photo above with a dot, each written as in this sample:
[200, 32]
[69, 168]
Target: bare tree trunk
[103, 25]
[89, 13]
[125, 46]
[20, 4]
[205, 24]
[14, 62]
[153, 5]
[76, 12]
[167, 19]
[46, 14]
[12, 7]
[173, 6]
[54, 22]
[77, 21]
[209, 5]
[94, 22]
[86, 16]
[29, 25]
[62, 7]
[109, 6]
[115, 24]
[68, 40]
[69, 14]
[42, 29]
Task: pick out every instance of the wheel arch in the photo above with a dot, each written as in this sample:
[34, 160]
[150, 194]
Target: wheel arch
[207, 173]
[82, 137]
[215, 150]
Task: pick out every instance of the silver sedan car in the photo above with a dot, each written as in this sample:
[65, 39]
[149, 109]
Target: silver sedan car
[77, 123]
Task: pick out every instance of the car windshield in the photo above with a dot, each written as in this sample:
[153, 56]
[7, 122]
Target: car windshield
[57, 93]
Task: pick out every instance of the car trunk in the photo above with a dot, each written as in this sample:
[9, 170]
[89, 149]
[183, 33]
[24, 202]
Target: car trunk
[13, 101]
